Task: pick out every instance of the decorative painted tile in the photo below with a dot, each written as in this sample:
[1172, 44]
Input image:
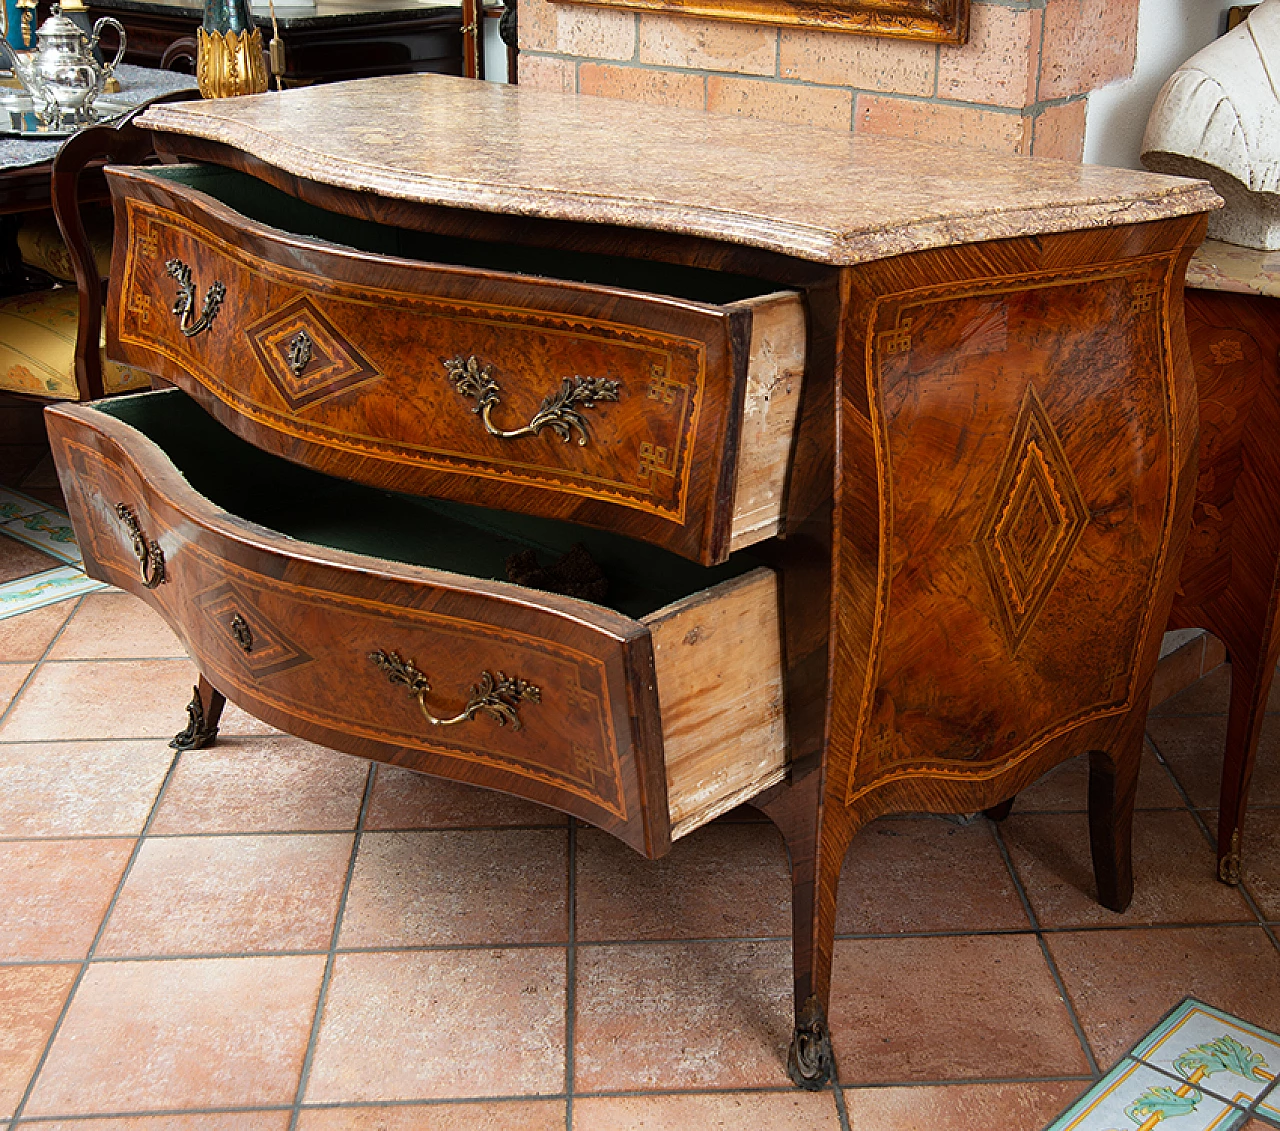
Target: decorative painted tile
[42, 589]
[49, 530]
[1213, 1051]
[15, 505]
[1133, 1096]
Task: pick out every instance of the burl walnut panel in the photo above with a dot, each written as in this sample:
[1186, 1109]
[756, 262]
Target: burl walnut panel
[374, 400]
[1021, 427]
[591, 746]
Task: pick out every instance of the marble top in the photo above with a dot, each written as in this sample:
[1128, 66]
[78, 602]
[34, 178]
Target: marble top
[1218, 266]
[823, 195]
[137, 84]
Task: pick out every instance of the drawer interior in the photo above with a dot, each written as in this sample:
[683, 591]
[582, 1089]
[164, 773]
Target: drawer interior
[258, 201]
[312, 507]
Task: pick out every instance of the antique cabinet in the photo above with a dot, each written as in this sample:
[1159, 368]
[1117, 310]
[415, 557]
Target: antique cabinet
[1231, 572]
[863, 469]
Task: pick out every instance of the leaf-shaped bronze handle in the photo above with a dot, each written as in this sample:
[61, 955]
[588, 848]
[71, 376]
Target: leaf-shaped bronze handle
[497, 696]
[560, 410]
[185, 304]
[150, 555]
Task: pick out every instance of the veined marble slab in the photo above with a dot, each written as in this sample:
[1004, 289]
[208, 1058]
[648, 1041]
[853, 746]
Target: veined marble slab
[824, 195]
[1218, 266]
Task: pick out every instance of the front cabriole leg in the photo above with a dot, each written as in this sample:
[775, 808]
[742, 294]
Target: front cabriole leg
[203, 715]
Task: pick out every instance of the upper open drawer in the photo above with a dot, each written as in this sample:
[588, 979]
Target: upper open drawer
[654, 400]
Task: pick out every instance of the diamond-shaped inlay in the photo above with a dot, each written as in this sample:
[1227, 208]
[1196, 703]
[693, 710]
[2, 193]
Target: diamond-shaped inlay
[237, 619]
[331, 364]
[1036, 518]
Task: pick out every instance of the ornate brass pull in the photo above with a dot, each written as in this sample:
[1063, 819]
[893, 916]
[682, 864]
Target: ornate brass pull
[559, 411]
[150, 555]
[497, 696]
[185, 304]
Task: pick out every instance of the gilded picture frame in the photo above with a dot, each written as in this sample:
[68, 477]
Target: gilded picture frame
[938, 21]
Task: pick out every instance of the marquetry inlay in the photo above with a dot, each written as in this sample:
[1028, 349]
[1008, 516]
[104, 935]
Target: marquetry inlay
[232, 612]
[328, 364]
[1035, 519]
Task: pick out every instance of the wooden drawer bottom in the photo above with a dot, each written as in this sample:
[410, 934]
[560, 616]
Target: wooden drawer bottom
[382, 625]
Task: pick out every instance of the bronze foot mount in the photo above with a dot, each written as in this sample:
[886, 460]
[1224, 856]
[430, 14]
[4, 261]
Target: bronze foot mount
[810, 1063]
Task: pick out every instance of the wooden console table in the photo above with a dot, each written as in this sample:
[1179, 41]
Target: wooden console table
[324, 41]
[882, 456]
[1231, 574]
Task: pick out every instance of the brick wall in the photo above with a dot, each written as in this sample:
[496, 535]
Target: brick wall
[1019, 85]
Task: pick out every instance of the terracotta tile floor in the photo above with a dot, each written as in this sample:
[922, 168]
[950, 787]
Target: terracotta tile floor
[266, 935]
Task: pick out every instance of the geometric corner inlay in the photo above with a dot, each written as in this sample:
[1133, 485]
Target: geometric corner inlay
[1036, 517]
[271, 651]
[328, 365]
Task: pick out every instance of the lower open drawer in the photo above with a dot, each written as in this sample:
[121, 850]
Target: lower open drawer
[380, 624]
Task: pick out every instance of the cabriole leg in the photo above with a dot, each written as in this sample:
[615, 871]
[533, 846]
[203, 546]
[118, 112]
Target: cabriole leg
[1113, 787]
[203, 714]
[815, 876]
[1249, 691]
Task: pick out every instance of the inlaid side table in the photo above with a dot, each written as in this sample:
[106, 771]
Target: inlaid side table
[1229, 575]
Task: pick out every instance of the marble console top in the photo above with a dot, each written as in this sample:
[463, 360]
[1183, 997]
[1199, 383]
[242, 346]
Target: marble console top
[817, 194]
[1218, 266]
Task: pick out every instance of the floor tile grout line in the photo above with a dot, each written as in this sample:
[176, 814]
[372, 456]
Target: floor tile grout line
[217, 834]
[511, 944]
[571, 973]
[331, 958]
[1045, 953]
[86, 964]
[842, 1109]
[93, 1120]
[4, 715]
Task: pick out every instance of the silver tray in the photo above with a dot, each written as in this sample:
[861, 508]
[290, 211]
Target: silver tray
[18, 119]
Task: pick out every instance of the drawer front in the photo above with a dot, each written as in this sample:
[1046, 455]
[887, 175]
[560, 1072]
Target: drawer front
[598, 406]
[362, 654]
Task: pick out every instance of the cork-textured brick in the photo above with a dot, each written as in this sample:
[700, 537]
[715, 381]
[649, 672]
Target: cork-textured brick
[862, 62]
[1087, 44]
[539, 26]
[708, 45]
[780, 101]
[1058, 131]
[998, 65]
[547, 72]
[972, 127]
[643, 84]
[595, 33]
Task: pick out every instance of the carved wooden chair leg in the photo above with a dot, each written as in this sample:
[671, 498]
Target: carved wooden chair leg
[1113, 787]
[1250, 686]
[815, 877]
[1001, 811]
[203, 714]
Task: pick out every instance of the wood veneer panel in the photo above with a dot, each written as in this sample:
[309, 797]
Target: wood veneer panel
[376, 402]
[591, 747]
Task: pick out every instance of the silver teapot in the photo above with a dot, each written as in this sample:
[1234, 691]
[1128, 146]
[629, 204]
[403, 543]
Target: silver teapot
[62, 75]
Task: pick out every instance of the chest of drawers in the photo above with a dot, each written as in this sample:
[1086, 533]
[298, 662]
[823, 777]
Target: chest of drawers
[881, 479]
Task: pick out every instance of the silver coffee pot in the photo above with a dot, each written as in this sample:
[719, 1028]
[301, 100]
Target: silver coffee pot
[62, 75]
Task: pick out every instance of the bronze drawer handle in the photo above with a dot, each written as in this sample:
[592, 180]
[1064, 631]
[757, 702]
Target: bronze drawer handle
[184, 305]
[498, 696]
[559, 410]
[150, 555]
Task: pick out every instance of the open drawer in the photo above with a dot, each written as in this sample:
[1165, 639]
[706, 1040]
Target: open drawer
[377, 624]
[653, 400]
